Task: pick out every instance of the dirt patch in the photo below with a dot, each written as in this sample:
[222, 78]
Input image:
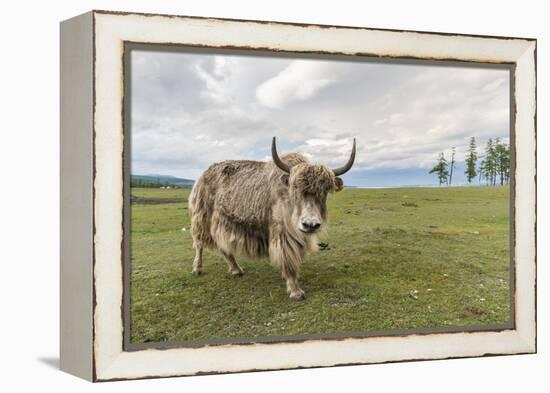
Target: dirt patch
[473, 311]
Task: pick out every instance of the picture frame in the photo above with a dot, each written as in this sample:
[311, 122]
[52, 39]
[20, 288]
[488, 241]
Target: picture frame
[94, 247]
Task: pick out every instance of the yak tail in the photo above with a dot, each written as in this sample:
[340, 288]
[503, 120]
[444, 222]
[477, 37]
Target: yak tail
[200, 215]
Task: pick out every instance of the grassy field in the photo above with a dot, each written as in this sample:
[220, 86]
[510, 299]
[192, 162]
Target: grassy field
[397, 258]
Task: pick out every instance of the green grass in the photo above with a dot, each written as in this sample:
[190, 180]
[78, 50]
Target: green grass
[397, 259]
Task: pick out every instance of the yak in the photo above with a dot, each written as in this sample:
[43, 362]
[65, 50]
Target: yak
[261, 209]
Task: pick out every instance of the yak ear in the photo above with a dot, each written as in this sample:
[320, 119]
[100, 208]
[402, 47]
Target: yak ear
[339, 184]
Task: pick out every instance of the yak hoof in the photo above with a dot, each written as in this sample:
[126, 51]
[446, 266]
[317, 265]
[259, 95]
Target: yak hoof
[298, 296]
[196, 273]
[237, 273]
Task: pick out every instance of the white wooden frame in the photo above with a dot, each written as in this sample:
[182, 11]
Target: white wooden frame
[92, 151]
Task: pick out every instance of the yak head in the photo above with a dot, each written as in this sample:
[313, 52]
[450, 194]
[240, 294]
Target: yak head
[309, 186]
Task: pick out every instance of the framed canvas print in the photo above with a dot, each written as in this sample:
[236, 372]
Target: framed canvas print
[245, 195]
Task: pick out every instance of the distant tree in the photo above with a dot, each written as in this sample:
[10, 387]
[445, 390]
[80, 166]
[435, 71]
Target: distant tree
[495, 165]
[488, 166]
[452, 164]
[502, 161]
[481, 171]
[492, 160]
[471, 160]
[440, 169]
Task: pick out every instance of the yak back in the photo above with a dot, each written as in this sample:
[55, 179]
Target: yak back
[244, 191]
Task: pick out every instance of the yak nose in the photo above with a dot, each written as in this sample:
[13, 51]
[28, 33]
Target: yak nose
[311, 225]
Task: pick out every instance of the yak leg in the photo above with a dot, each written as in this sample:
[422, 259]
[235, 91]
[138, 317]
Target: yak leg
[234, 267]
[197, 263]
[292, 287]
[287, 256]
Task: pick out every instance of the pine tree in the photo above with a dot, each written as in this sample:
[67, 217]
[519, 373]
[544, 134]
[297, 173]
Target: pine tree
[482, 172]
[471, 160]
[495, 165]
[502, 158]
[488, 166]
[441, 169]
[452, 164]
[492, 161]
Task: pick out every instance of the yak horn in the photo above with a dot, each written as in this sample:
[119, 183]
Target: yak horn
[347, 167]
[276, 159]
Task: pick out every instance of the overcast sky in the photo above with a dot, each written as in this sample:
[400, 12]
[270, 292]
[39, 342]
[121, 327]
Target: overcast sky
[190, 110]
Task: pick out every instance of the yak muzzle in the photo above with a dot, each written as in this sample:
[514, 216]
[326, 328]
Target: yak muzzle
[310, 226]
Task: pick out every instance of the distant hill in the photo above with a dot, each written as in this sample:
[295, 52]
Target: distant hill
[153, 181]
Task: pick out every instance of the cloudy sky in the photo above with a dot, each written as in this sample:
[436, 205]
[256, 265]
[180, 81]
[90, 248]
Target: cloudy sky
[191, 109]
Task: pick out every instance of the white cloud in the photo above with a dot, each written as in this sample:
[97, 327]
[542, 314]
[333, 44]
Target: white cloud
[299, 81]
[190, 110]
[215, 89]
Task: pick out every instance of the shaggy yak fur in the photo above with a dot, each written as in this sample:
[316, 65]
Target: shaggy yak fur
[254, 209]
